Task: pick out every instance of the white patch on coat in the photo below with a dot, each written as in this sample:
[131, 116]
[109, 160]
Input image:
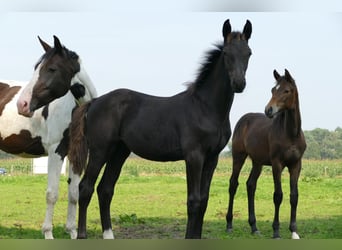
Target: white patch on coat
[26, 91]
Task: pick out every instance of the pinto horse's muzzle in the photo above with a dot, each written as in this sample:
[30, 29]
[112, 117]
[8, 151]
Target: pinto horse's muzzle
[23, 107]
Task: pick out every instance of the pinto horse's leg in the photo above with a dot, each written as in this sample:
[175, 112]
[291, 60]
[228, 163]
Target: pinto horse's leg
[194, 165]
[86, 190]
[294, 175]
[73, 182]
[277, 198]
[238, 161]
[54, 173]
[105, 189]
[251, 187]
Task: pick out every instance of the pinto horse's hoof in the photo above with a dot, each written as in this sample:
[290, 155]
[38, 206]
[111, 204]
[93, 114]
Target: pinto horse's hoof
[295, 236]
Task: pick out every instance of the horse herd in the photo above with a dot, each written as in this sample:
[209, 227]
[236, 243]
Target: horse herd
[59, 114]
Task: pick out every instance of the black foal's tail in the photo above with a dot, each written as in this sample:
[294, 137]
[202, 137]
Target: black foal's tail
[78, 146]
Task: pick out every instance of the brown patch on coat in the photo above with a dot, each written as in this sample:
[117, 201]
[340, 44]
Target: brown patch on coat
[22, 143]
[7, 93]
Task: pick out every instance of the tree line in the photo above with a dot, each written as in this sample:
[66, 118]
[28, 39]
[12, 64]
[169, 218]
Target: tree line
[323, 144]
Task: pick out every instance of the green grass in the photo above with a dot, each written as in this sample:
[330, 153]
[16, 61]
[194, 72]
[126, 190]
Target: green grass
[150, 202]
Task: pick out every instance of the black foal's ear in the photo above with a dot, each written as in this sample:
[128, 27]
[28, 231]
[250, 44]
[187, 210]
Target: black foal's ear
[247, 30]
[276, 75]
[226, 29]
[45, 46]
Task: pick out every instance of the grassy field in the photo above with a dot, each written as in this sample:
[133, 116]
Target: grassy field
[150, 202]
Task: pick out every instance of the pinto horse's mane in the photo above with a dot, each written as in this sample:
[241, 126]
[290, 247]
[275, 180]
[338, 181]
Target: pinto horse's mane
[69, 53]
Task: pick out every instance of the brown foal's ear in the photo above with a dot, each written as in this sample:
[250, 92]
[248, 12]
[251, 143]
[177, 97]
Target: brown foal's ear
[276, 75]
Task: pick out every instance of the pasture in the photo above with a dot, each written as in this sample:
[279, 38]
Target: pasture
[150, 202]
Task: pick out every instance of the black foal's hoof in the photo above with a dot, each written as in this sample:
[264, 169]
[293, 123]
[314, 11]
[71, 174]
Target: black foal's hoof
[81, 237]
[257, 232]
[229, 227]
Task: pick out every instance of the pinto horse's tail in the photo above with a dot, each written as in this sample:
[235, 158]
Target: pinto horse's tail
[78, 146]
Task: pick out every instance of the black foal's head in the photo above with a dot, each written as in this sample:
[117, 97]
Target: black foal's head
[236, 54]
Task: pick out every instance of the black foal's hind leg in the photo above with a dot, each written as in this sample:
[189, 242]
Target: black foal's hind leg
[86, 190]
[105, 189]
[251, 187]
[294, 175]
[238, 161]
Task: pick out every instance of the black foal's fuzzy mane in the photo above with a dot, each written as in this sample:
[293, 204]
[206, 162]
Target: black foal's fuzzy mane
[207, 65]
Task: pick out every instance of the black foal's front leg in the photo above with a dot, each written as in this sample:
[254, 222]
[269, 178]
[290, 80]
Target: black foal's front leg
[194, 166]
[207, 175]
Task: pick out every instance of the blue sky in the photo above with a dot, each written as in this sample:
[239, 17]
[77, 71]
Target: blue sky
[156, 48]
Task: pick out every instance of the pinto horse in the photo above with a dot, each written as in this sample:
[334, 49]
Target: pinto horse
[193, 126]
[278, 142]
[45, 131]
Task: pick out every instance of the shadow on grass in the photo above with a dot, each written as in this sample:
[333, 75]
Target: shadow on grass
[174, 228]
[16, 232]
[319, 228]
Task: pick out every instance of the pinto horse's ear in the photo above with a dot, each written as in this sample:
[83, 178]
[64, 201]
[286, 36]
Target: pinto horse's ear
[226, 29]
[57, 44]
[45, 46]
[276, 75]
[247, 30]
[288, 77]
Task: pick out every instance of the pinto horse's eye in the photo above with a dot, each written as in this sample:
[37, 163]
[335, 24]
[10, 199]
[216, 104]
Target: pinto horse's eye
[51, 70]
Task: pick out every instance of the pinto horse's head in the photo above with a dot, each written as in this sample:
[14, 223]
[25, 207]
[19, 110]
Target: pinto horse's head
[284, 95]
[236, 54]
[52, 78]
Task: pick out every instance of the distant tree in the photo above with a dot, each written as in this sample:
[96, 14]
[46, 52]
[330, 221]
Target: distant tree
[324, 144]
[313, 148]
[338, 142]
